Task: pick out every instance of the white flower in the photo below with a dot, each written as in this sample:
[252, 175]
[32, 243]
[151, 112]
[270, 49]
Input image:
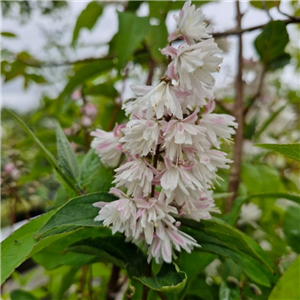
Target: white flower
[250, 214]
[194, 64]
[141, 136]
[203, 207]
[178, 180]
[190, 24]
[136, 176]
[214, 159]
[150, 213]
[160, 99]
[121, 214]
[217, 125]
[108, 146]
[168, 237]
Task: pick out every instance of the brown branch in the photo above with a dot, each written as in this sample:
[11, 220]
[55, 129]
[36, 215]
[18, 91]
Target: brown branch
[151, 71]
[239, 31]
[234, 178]
[257, 94]
[113, 287]
[145, 288]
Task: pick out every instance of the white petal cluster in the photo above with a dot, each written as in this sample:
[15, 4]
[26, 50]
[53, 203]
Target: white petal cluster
[170, 145]
[190, 25]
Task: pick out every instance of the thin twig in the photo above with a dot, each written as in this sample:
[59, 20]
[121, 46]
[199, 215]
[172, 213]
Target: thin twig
[238, 31]
[113, 287]
[257, 94]
[145, 288]
[234, 178]
[151, 71]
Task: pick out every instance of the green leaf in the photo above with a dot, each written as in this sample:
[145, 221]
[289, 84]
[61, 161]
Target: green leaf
[265, 4]
[55, 255]
[290, 150]
[18, 246]
[8, 34]
[156, 39]
[115, 250]
[132, 31]
[87, 18]
[48, 155]
[291, 226]
[103, 89]
[86, 72]
[169, 279]
[228, 292]
[270, 44]
[66, 155]
[78, 212]
[94, 177]
[288, 285]
[22, 295]
[229, 237]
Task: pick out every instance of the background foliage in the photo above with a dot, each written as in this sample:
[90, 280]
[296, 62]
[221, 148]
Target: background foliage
[48, 169]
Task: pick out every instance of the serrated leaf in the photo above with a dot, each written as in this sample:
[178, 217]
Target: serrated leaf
[55, 255]
[78, 212]
[113, 249]
[126, 41]
[84, 73]
[94, 177]
[66, 155]
[270, 44]
[169, 279]
[288, 285]
[48, 155]
[87, 18]
[231, 238]
[290, 150]
[17, 247]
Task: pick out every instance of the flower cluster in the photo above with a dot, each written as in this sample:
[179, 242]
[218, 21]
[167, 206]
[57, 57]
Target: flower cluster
[169, 146]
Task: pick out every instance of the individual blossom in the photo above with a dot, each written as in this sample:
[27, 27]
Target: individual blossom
[194, 64]
[157, 100]
[190, 25]
[167, 238]
[136, 176]
[108, 146]
[178, 180]
[217, 125]
[183, 134]
[250, 214]
[204, 206]
[140, 136]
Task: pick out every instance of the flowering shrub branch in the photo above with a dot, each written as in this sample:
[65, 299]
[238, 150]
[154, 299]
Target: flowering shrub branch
[169, 163]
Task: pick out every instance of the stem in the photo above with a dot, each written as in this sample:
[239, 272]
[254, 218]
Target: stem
[257, 94]
[112, 286]
[151, 71]
[145, 288]
[234, 178]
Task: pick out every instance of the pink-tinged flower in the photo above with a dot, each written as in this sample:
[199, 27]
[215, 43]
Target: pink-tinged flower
[178, 183]
[182, 134]
[108, 146]
[194, 64]
[160, 99]
[191, 25]
[150, 213]
[120, 214]
[167, 237]
[11, 170]
[90, 110]
[86, 121]
[217, 125]
[203, 207]
[136, 176]
[141, 136]
[214, 159]
[76, 95]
